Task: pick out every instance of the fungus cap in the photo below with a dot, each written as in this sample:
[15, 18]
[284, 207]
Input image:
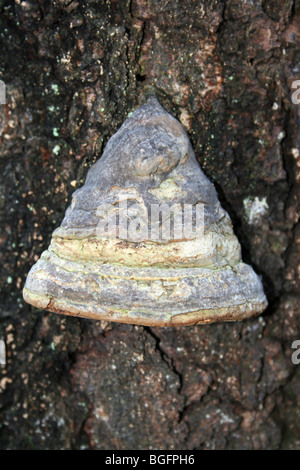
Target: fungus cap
[145, 239]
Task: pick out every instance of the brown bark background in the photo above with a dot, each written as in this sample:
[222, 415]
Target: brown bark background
[73, 71]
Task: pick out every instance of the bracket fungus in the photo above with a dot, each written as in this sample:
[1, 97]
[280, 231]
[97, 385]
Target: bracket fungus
[145, 240]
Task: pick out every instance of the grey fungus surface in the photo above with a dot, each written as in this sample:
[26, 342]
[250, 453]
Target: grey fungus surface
[156, 282]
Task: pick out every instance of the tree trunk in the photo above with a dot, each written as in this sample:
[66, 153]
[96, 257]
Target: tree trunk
[73, 71]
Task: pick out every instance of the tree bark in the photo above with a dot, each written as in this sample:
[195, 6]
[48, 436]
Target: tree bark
[73, 72]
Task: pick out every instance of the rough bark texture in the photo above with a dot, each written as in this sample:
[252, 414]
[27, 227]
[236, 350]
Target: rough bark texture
[74, 70]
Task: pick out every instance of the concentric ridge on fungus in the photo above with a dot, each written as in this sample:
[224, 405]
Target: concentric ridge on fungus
[157, 282]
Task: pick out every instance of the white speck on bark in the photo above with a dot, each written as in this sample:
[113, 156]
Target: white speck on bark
[255, 209]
